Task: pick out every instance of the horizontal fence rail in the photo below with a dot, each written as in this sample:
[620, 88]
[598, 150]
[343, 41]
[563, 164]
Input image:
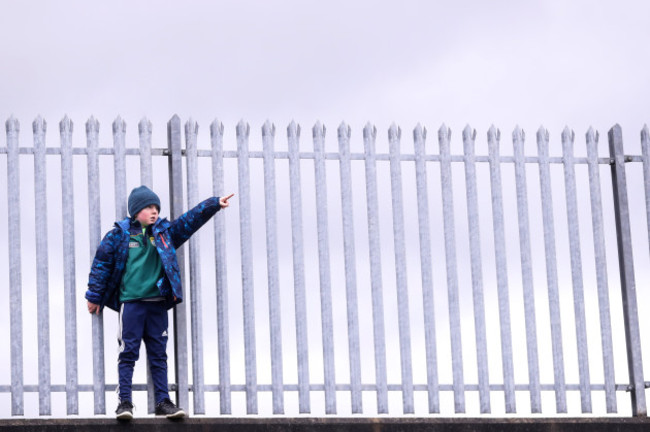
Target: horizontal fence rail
[355, 274]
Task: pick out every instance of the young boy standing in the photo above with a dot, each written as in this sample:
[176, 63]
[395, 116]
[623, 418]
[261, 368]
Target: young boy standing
[135, 272]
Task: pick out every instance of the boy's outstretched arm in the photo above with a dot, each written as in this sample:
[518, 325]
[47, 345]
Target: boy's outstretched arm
[189, 222]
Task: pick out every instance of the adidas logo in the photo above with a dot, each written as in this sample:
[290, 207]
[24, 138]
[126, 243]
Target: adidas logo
[164, 334]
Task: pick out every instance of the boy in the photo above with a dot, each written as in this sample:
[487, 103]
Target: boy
[135, 272]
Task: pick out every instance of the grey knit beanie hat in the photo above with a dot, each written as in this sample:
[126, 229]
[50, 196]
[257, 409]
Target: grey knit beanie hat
[140, 198]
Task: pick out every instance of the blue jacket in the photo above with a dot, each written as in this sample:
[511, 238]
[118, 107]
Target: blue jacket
[110, 259]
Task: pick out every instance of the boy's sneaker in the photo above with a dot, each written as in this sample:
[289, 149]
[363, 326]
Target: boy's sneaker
[168, 409]
[124, 410]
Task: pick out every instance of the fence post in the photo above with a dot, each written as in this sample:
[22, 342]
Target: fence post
[39, 127]
[95, 236]
[69, 272]
[626, 270]
[344, 133]
[223, 332]
[15, 274]
[176, 210]
[247, 273]
[192, 163]
[273, 272]
[404, 324]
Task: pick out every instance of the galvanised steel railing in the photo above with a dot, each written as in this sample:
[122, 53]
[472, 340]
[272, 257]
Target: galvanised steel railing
[452, 293]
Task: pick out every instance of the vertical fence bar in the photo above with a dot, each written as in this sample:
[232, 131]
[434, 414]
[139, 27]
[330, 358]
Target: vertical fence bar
[15, 276]
[551, 270]
[469, 136]
[119, 167]
[444, 135]
[94, 235]
[626, 267]
[518, 138]
[394, 136]
[196, 319]
[374, 243]
[576, 267]
[645, 151]
[144, 132]
[248, 293]
[174, 141]
[324, 268]
[119, 174]
[350, 268]
[433, 389]
[645, 148]
[275, 323]
[302, 346]
[69, 283]
[223, 332]
[494, 136]
[601, 270]
[42, 286]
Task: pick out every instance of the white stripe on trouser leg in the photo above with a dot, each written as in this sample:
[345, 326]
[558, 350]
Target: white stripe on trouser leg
[120, 342]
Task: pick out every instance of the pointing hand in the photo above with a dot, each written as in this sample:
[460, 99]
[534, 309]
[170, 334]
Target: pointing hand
[223, 201]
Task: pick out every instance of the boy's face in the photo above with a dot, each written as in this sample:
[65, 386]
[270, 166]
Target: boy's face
[148, 215]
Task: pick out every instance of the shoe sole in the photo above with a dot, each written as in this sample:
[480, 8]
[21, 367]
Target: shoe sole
[125, 416]
[176, 415]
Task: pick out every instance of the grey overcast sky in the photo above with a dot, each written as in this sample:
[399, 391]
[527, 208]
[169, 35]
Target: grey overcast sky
[553, 62]
[529, 63]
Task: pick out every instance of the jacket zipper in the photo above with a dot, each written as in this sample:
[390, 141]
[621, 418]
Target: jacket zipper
[163, 240]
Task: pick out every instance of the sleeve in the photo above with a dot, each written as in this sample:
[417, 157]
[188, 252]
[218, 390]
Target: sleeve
[189, 222]
[102, 268]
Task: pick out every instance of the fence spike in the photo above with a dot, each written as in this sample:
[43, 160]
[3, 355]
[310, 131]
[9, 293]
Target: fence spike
[518, 134]
[243, 129]
[318, 129]
[12, 125]
[344, 130]
[443, 132]
[66, 125]
[542, 134]
[394, 132]
[92, 125]
[473, 132]
[419, 132]
[592, 135]
[268, 129]
[469, 133]
[469, 136]
[144, 126]
[39, 124]
[369, 131]
[645, 132]
[216, 128]
[119, 125]
[293, 130]
[568, 134]
[191, 126]
[493, 132]
[568, 138]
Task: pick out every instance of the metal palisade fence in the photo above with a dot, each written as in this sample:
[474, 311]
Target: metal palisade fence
[348, 279]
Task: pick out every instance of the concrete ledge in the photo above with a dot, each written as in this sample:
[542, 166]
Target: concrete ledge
[229, 424]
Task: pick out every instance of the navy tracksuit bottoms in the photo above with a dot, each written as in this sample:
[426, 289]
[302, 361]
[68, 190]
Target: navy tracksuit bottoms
[138, 321]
